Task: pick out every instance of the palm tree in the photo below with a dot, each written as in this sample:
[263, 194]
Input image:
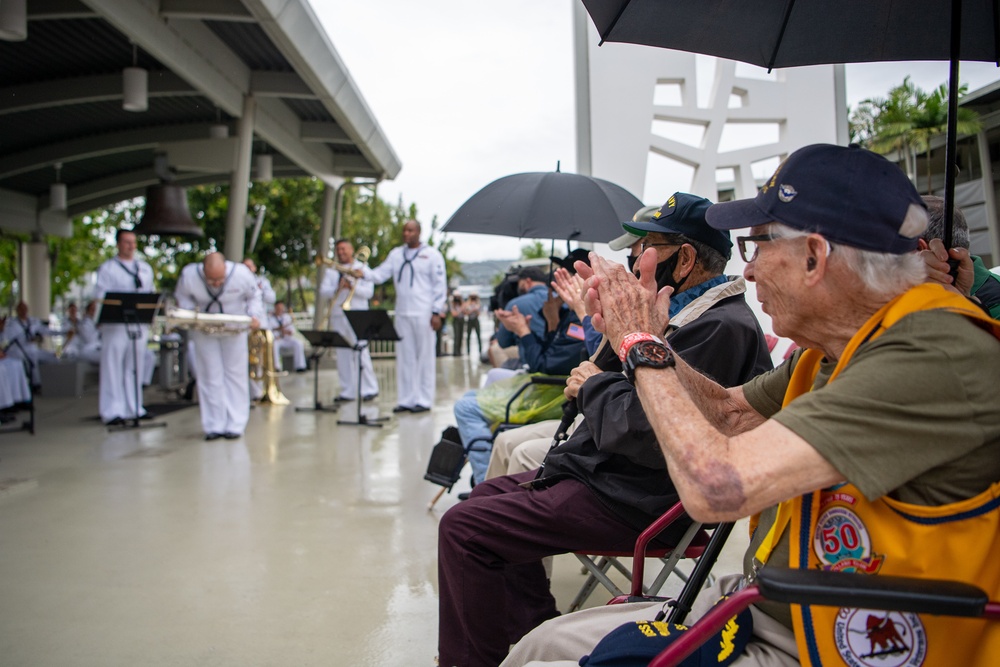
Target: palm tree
[906, 121]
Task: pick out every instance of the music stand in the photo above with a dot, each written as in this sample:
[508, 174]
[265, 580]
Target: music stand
[133, 309]
[368, 325]
[320, 340]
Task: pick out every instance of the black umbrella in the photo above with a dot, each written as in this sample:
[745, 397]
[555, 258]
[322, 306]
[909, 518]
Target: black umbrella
[547, 205]
[786, 33]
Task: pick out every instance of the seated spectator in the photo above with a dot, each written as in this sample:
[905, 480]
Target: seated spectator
[975, 279]
[532, 290]
[283, 330]
[886, 421]
[20, 338]
[556, 352]
[83, 339]
[608, 481]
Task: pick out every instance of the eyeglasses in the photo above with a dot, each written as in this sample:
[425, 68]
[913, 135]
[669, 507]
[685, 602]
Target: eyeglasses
[748, 244]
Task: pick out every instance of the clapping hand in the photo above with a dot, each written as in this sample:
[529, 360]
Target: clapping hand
[514, 321]
[620, 304]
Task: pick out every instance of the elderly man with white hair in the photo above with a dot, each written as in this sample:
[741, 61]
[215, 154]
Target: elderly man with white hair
[875, 448]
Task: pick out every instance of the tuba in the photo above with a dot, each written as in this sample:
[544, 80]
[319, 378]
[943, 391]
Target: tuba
[261, 357]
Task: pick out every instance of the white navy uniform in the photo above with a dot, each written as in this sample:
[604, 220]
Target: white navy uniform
[283, 330]
[421, 291]
[222, 360]
[86, 342]
[347, 359]
[18, 338]
[118, 355]
[267, 294]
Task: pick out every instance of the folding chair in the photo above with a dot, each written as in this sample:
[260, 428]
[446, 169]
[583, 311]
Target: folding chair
[836, 589]
[449, 456]
[694, 544]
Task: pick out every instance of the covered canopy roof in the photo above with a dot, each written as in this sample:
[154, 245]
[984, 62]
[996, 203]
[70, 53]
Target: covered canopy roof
[61, 96]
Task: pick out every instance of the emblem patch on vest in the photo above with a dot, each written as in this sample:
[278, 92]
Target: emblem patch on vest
[866, 638]
[841, 541]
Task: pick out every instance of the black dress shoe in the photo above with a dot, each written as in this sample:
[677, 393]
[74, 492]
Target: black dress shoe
[232, 436]
[213, 436]
[402, 408]
[420, 408]
[117, 421]
[301, 370]
[147, 416]
[342, 399]
[369, 397]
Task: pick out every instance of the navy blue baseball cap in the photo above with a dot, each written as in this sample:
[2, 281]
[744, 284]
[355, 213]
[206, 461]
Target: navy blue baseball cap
[849, 195]
[684, 214]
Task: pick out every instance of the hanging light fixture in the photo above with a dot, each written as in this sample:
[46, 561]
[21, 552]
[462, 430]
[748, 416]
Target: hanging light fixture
[135, 84]
[57, 191]
[13, 20]
[263, 165]
[218, 130]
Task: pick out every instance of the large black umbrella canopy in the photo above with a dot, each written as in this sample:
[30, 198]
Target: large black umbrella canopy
[547, 205]
[790, 33]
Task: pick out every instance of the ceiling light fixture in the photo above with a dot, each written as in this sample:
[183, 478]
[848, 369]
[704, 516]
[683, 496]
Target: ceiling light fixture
[135, 84]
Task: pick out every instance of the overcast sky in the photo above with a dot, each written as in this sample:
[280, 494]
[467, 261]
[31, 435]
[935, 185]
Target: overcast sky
[467, 92]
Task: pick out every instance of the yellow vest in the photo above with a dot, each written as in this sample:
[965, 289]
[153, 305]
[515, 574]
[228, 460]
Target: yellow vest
[839, 529]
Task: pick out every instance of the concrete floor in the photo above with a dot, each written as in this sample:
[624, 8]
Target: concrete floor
[304, 543]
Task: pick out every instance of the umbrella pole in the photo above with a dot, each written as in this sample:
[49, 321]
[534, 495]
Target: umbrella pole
[951, 147]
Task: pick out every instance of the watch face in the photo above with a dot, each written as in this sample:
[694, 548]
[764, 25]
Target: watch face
[652, 351]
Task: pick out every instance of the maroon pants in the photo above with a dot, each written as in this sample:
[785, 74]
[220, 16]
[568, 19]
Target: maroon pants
[491, 583]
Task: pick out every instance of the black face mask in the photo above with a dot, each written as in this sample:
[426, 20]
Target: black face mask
[664, 272]
[631, 263]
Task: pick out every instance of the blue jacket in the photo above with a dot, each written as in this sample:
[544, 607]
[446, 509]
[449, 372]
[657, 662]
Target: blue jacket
[529, 303]
[556, 352]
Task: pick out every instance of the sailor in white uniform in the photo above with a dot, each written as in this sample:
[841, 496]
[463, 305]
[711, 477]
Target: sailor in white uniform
[267, 294]
[283, 329]
[20, 336]
[120, 354]
[421, 292]
[335, 289]
[84, 339]
[220, 286]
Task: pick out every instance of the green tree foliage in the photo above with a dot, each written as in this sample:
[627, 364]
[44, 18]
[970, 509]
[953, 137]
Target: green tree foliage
[906, 120]
[535, 250]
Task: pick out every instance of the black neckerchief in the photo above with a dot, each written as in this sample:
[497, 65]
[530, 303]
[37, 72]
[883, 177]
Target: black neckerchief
[408, 261]
[214, 296]
[135, 276]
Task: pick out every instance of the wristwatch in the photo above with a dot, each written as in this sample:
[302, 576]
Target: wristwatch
[648, 353]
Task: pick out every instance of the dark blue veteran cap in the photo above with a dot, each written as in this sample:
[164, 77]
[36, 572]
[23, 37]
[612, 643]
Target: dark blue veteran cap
[849, 195]
[684, 214]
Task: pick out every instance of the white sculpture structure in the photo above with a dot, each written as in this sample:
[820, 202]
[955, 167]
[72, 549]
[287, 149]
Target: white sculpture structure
[641, 119]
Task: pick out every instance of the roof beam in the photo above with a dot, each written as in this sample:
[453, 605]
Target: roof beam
[84, 90]
[329, 133]
[47, 10]
[97, 146]
[205, 10]
[279, 84]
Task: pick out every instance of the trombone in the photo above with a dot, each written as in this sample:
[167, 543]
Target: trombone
[362, 255]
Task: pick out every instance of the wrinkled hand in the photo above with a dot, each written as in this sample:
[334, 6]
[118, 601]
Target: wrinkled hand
[513, 321]
[578, 376]
[620, 304]
[938, 271]
[572, 289]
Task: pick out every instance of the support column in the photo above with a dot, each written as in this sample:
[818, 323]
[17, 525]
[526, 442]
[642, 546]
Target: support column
[36, 270]
[989, 196]
[239, 185]
[325, 231]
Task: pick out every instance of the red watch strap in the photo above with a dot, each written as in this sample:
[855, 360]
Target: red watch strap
[631, 339]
